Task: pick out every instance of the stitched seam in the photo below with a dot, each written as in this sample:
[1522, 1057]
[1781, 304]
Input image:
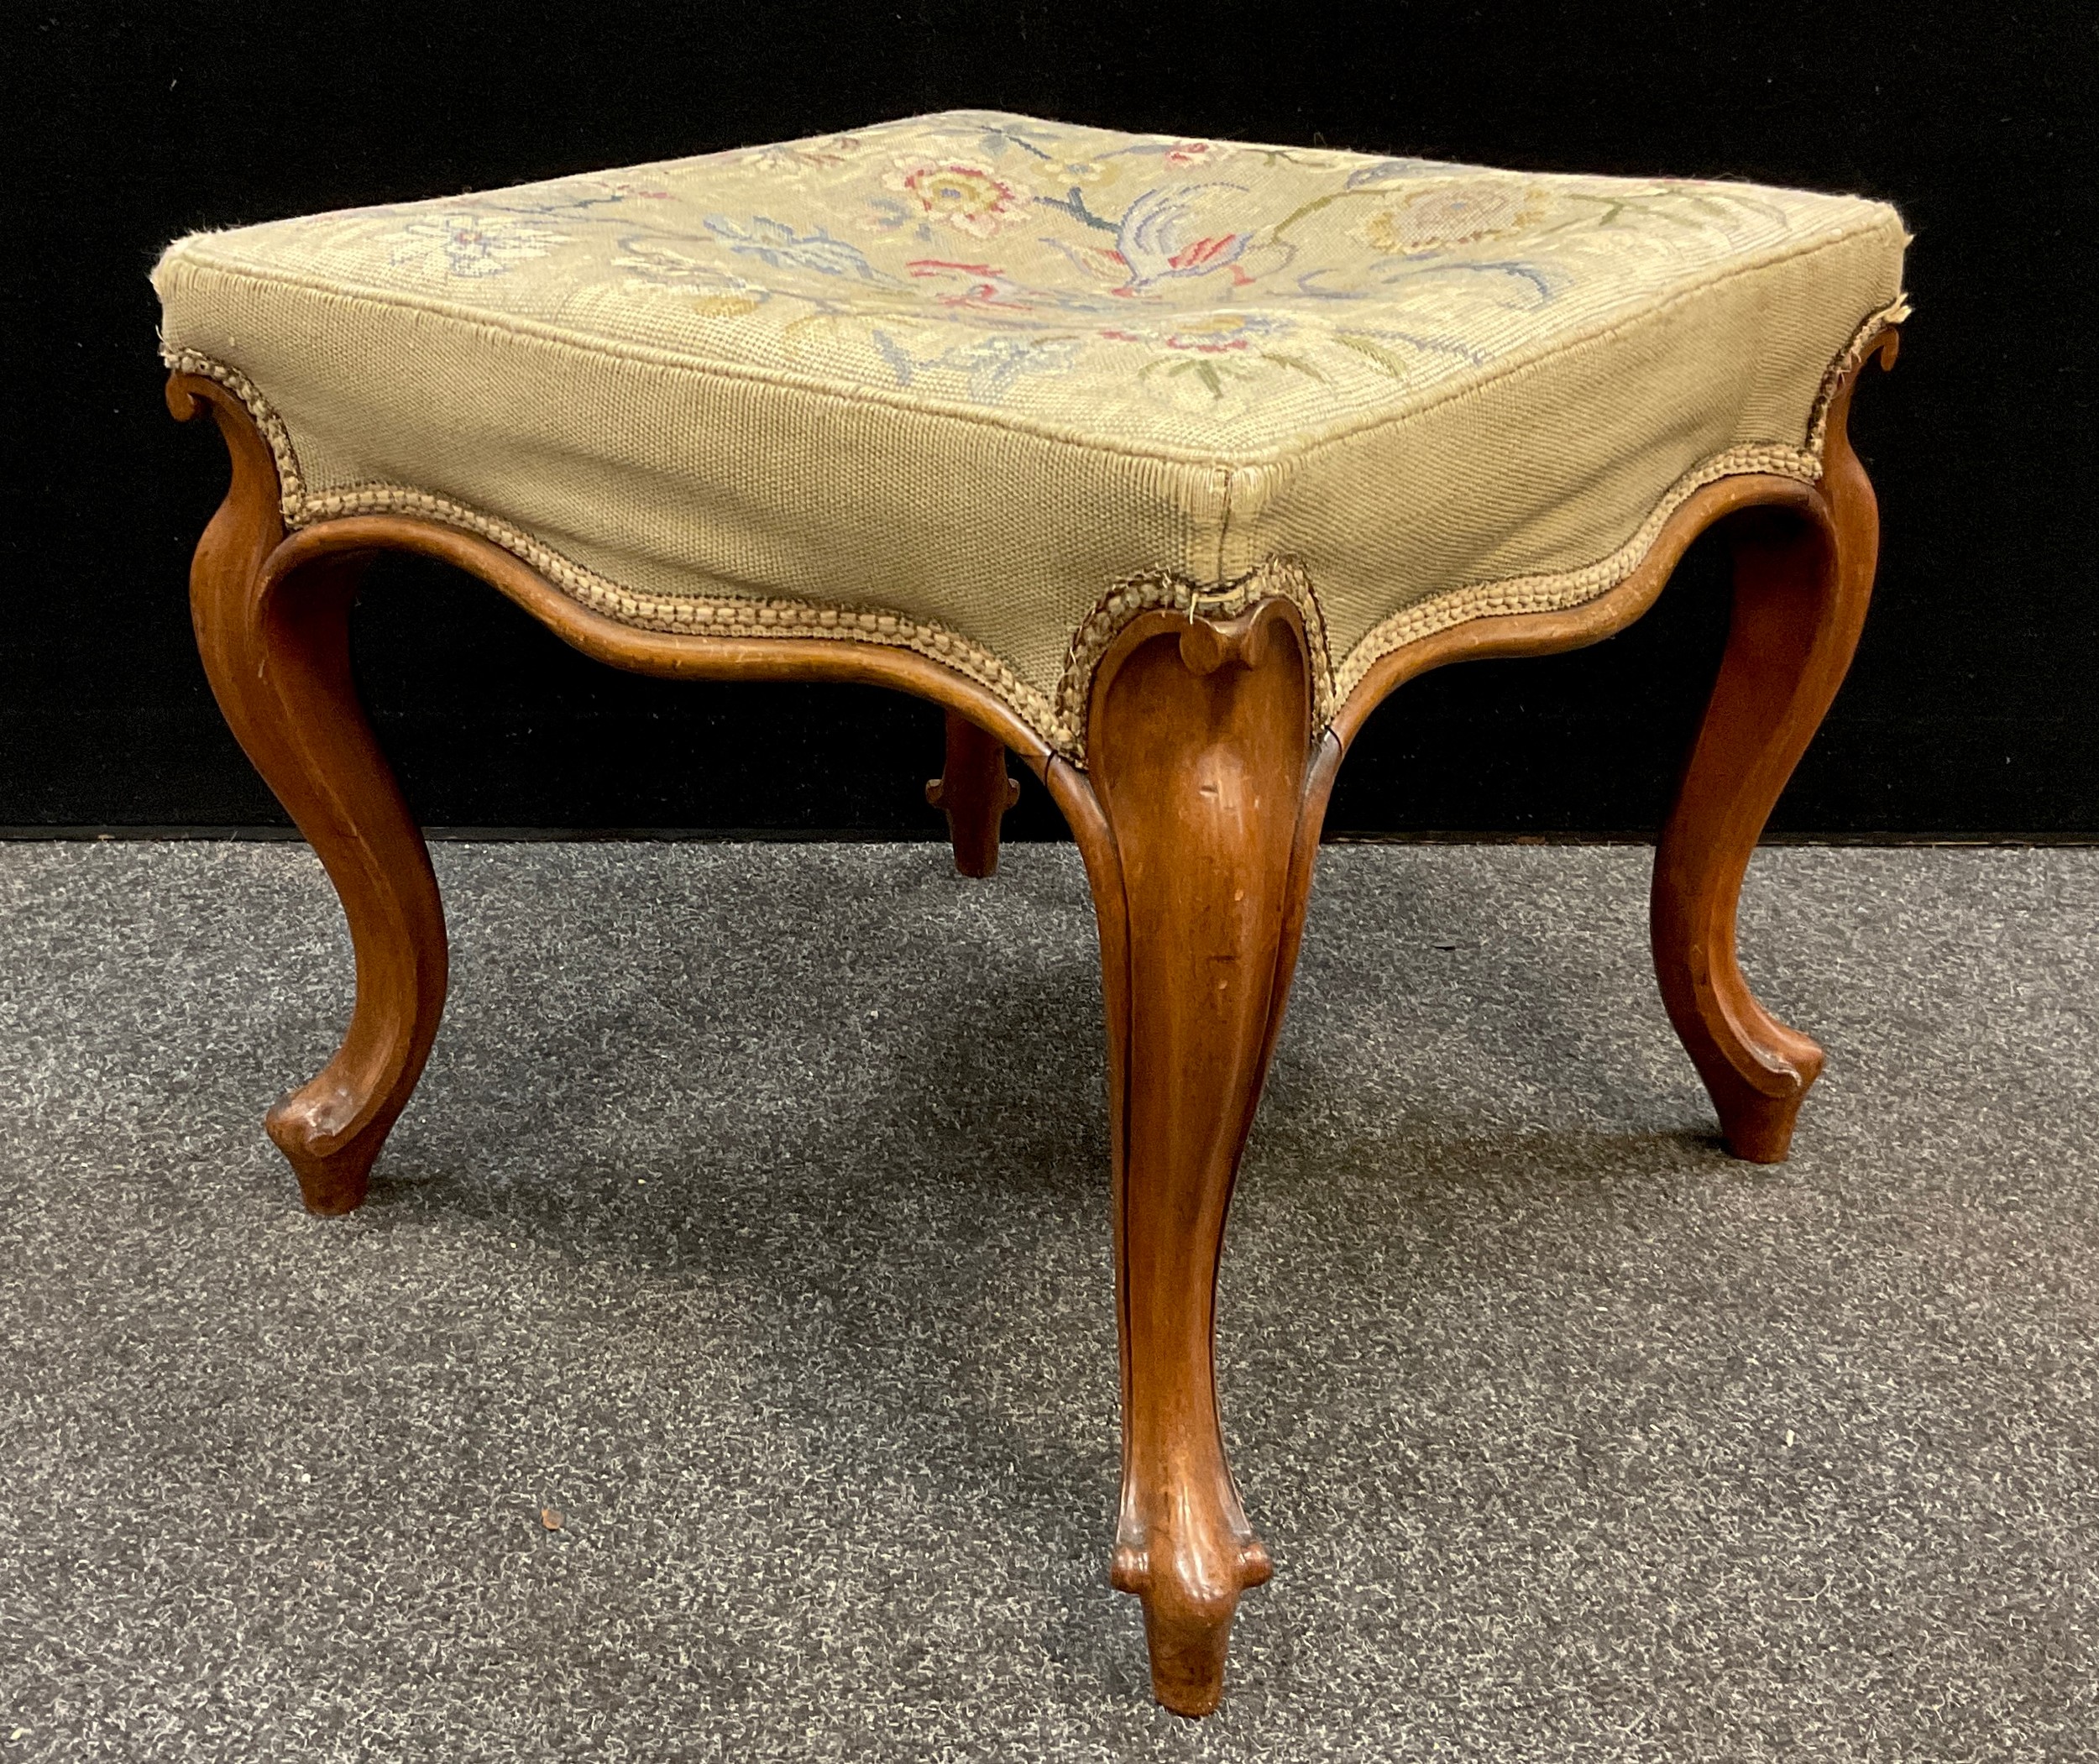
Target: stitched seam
[1060, 719]
[194, 259]
[1149, 589]
[739, 373]
[1534, 363]
[719, 615]
[1567, 588]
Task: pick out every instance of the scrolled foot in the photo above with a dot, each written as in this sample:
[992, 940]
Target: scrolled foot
[1188, 1613]
[1757, 1117]
[334, 1169]
[1803, 579]
[1198, 817]
[271, 616]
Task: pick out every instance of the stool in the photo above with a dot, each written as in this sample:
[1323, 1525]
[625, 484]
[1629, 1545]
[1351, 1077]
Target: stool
[1157, 462]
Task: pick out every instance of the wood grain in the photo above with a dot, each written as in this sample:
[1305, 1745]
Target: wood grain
[272, 627]
[1199, 821]
[974, 791]
[1198, 828]
[1802, 581]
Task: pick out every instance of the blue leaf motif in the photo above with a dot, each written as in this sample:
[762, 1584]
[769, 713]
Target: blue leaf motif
[1514, 286]
[774, 243]
[1384, 171]
[1161, 239]
[990, 367]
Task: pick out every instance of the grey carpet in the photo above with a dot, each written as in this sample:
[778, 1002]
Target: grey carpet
[752, 1214]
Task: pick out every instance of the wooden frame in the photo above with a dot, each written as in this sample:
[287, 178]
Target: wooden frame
[1198, 816]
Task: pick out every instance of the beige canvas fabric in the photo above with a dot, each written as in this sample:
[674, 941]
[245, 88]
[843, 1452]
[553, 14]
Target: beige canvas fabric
[983, 386]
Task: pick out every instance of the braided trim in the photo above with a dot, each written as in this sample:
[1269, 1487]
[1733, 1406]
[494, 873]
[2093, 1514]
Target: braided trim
[291, 483]
[1863, 342]
[694, 615]
[1060, 719]
[1569, 588]
[680, 614]
[1150, 589]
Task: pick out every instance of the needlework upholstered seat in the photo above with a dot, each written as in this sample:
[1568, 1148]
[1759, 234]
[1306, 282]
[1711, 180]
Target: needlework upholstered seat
[1157, 461]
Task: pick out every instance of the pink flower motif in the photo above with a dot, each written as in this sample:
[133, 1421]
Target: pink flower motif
[1181, 340]
[1206, 333]
[1187, 152]
[983, 286]
[965, 197]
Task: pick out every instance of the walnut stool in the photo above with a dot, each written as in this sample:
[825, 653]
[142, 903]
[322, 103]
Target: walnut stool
[1158, 463]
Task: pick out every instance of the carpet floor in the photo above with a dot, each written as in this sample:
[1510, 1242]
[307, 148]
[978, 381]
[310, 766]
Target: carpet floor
[753, 1217]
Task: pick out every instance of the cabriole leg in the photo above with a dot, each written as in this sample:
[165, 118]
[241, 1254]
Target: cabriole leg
[275, 648]
[1198, 827]
[975, 792]
[1801, 588]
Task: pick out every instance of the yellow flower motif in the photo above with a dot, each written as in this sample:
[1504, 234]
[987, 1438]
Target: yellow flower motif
[966, 197]
[1440, 216]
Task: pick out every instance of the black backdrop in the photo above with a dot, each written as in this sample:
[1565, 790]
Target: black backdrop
[1971, 709]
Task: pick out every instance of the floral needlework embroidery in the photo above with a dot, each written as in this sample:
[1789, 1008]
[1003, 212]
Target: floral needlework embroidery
[1442, 217]
[794, 159]
[670, 265]
[1000, 261]
[778, 244]
[475, 245]
[965, 197]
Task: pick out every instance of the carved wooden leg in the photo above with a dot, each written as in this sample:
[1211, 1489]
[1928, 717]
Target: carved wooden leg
[275, 648]
[1800, 589]
[1198, 828]
[973, 789]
